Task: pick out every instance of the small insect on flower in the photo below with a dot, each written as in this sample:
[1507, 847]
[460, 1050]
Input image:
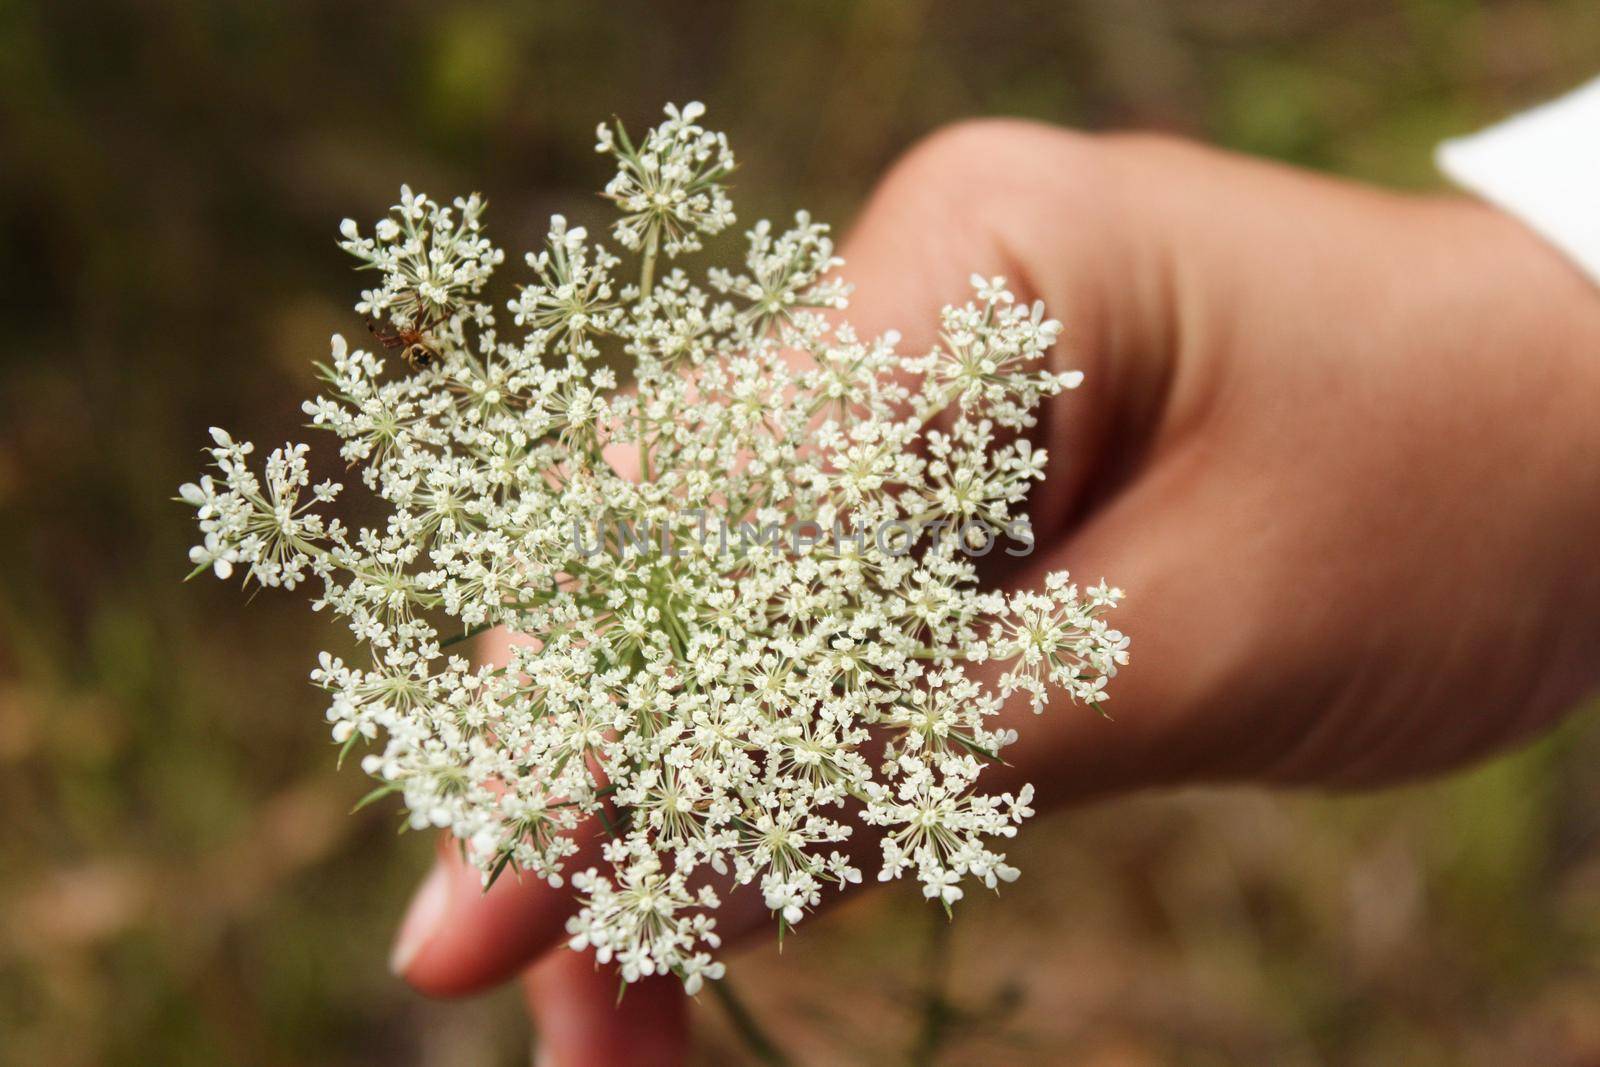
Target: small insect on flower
[412, 344]
[751, 580]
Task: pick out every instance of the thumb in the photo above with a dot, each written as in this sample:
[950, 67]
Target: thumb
[580, 1021]
[1064, 217]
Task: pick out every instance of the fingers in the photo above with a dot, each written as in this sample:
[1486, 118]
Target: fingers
[580, 1022]
[458, 939]
[1091, 227]
[1192, 623]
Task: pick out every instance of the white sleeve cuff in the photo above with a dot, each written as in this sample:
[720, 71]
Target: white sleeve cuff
[1543, 167]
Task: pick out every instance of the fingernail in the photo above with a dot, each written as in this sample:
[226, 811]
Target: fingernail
[422, 919]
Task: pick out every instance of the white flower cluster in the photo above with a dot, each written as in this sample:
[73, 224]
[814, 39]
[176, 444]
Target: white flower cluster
[432, 261]
[669, 187]
[736, 710]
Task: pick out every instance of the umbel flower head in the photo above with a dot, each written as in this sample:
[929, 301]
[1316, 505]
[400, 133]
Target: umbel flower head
[747, 585]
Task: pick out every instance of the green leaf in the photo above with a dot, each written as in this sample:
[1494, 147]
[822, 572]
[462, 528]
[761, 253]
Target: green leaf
[344, 750]
[470, 633]
[377, 794]
[978, 750]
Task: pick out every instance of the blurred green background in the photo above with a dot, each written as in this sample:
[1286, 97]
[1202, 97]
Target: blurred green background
[179, 880]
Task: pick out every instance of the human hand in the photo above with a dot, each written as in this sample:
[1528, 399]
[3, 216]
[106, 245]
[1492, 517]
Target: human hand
[1338, 445]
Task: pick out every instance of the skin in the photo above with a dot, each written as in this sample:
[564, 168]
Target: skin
[1338, 445]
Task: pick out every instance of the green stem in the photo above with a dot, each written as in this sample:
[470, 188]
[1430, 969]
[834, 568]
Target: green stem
[755, 1038]
[937, 1011]
[647, 268]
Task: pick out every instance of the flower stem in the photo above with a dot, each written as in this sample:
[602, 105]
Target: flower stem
[937, 1011]
[756, 1039]
[647, 268]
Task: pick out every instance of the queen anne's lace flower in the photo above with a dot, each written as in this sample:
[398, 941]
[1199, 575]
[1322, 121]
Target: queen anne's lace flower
[669, 188]
[753, 642]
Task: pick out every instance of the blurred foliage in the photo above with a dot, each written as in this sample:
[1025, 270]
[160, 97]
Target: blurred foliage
[179, 882]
